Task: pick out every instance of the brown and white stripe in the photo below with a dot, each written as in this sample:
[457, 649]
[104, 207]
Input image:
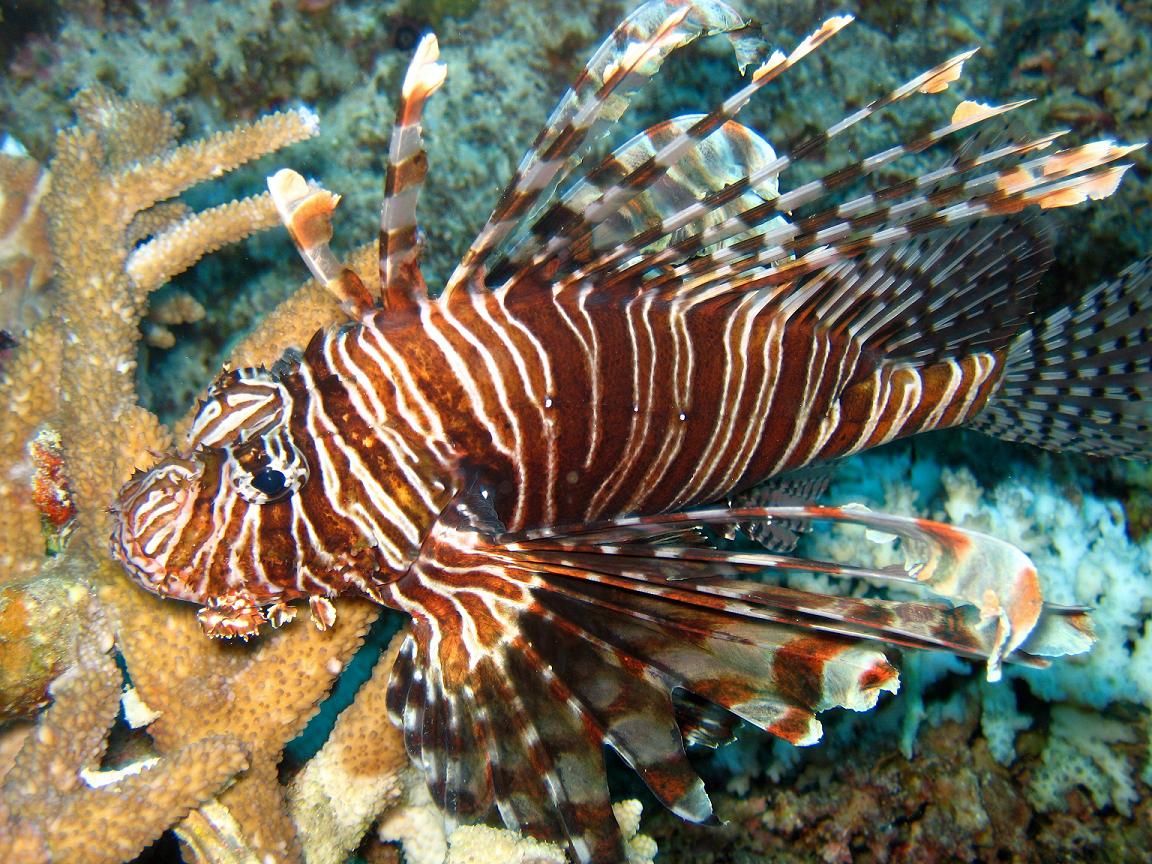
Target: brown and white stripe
[511, 467]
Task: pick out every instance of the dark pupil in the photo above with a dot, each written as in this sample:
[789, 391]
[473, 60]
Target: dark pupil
[269, 481]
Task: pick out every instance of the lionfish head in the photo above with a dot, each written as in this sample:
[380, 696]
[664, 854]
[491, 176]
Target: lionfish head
[216, 519]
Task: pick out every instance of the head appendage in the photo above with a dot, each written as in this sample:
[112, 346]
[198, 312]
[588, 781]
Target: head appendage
[306, 211]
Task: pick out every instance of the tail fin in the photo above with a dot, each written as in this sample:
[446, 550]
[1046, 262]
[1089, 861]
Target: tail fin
[1082, 378]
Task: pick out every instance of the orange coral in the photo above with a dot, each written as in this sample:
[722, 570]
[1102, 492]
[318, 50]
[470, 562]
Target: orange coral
[25, 253]
[211, 710]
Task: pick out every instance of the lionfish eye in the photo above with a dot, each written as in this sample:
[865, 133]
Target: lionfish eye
[267, 468]
[269, 481]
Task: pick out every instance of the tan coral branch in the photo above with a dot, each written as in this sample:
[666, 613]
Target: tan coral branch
[187, 241]
[356, 775]
[171, 173]
[54, 791]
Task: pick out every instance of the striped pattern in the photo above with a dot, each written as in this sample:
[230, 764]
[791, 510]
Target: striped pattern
[400, 243]
[524, 471]
[669, 426]
[1082, 379]
[218, 525]
[518, 669]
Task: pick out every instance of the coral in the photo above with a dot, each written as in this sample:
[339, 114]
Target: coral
[478, 844]
[1090, 744]
[1001, 721]
[338, 795]
[952, 802]
[56, 784]
[177, 308]
[641, 847]
[1081, 547]
[211, 710]
[25, 256]
[1082, 751]
[39, 619]
[419, 827]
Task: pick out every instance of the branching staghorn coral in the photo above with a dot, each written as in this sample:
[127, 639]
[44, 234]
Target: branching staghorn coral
[55, 789]
[216, 713]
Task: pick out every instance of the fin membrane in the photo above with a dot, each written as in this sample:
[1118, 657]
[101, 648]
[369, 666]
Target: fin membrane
[1082, 378]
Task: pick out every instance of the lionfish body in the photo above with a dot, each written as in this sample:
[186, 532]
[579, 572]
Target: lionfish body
[524, 464]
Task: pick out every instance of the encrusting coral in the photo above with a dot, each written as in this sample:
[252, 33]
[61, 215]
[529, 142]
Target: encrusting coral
[215, 709]
[339, 793]
[24, 249]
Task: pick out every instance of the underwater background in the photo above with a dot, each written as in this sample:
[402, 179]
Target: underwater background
[1049, 765]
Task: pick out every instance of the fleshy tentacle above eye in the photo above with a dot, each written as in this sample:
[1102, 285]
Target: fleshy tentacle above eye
[247, 415]
[240, 402]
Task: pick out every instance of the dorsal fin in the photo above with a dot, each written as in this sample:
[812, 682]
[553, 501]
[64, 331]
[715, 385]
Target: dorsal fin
[935, 297]
[577, 230]
[562, 224]
[402, 284]
[724, 157]
[781, 253]
[632, 54]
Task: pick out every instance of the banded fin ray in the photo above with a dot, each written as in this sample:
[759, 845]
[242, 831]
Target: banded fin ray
[777, 254]
[306, 210]
[939, 296]
[400, 247]
[795, 489]
[648, 166]
[767, 238]
[571, 229]
[531, 651]
[782, 255]
[965, 567]
[631, 54]
[723, 157]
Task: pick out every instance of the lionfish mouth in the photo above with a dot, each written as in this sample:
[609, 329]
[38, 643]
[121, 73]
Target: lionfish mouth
[150, 513]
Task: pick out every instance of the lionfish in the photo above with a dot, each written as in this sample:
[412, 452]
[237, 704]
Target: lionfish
[537, 465]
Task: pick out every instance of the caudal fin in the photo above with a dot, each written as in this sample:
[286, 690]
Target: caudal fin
[1082, 378]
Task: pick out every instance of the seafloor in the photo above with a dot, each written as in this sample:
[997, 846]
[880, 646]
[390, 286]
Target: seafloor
[1050, 766]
